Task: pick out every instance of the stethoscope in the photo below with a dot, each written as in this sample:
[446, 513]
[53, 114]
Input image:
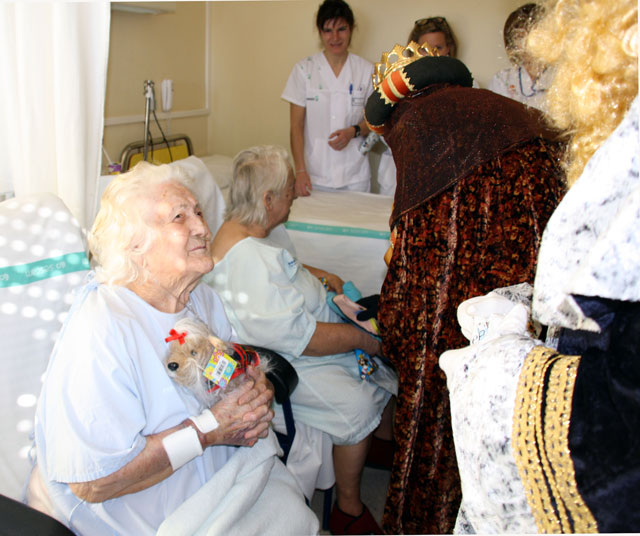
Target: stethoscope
[534, 90]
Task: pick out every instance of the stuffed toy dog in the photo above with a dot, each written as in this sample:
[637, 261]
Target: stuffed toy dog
[210, 367]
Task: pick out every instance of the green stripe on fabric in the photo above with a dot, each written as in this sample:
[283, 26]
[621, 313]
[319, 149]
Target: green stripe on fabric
[336, 230]
[23, 274]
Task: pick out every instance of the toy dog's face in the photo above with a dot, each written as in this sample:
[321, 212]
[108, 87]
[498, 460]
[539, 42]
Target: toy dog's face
[186, 362]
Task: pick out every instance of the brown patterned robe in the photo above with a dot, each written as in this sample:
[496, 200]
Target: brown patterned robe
[480, 233]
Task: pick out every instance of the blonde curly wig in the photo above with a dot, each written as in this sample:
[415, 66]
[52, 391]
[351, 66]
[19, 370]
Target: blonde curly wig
[592, 45]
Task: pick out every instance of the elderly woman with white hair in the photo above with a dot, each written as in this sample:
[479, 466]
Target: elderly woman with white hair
[274, 301]
[120, 447]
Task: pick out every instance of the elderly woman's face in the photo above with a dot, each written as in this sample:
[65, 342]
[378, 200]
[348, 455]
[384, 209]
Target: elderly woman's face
[181, 247]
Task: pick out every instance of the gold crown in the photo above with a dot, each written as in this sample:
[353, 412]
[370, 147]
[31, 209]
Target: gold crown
[399, 57]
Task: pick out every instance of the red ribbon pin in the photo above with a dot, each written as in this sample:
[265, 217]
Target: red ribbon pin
[175, 336]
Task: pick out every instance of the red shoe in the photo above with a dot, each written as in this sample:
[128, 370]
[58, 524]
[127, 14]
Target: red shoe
[341, 523]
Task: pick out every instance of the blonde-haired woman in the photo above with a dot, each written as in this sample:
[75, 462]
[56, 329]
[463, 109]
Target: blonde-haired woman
[588, 267]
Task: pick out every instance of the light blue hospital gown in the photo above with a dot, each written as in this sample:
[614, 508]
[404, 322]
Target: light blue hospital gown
[106, 389]
[274, 302]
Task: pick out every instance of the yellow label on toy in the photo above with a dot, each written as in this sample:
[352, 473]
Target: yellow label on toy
[220, 368]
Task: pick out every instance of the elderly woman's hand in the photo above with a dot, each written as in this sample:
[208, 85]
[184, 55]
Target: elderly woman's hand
[244, 414]
[332, 281]
[262, 414]
[335, 337]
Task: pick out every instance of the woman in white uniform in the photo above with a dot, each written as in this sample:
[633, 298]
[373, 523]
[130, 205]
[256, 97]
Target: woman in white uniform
[327, 93]
[436, 32]
[525, 80]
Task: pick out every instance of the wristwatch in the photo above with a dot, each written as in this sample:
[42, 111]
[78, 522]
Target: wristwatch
[357, 127]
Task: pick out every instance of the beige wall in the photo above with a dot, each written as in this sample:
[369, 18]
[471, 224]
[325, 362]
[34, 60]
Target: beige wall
[249, 48]
[255, 44]
[154, 47]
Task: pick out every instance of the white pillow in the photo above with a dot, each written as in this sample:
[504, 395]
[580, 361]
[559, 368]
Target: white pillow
[207, 191]
[221, 169]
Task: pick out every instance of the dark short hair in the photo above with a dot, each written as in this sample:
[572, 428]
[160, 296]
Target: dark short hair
[435, 24]
[334, 9]
[521, 19]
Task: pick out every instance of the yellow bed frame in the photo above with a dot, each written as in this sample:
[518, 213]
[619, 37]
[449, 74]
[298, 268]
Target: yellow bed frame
[157, 151]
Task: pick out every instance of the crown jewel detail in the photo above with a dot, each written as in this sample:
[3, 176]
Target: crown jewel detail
[398, 57]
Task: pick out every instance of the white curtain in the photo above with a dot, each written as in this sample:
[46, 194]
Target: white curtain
[53, 69]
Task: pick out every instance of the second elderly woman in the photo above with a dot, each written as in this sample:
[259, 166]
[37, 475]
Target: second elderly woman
[275, 302]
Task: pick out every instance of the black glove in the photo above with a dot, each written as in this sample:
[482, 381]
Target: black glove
[370, 303]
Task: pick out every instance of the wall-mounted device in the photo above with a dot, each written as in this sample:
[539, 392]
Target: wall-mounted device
[167, 95]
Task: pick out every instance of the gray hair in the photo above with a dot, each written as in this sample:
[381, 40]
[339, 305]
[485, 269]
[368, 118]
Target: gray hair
[257, 170]
[120, 233]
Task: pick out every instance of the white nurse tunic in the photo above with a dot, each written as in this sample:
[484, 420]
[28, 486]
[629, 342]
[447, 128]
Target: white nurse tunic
[332, 103]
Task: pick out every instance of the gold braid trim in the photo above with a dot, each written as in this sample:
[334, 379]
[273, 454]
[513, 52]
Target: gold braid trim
[526, 420]
[540, 440]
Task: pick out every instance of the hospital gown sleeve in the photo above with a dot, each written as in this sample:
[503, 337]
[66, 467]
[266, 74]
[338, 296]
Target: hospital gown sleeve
[265, 306]
[91, 407]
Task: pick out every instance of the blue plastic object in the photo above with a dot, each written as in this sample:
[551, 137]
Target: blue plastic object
[350, 291]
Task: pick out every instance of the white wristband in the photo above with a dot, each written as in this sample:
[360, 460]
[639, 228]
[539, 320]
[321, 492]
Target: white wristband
[206, 421]
[182, 446]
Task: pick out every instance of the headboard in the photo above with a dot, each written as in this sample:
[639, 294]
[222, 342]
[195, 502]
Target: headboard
[176, 147]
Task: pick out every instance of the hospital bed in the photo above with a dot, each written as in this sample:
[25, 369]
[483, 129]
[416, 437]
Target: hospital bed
[345, 233]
